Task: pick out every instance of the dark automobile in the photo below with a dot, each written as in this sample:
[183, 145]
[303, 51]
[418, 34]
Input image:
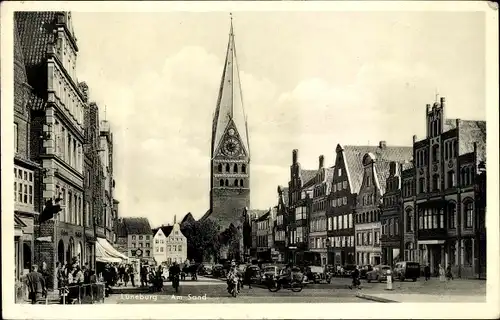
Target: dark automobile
[255, 273]
[364, 271]
[218, 271]
[348, 269]
[406, 270]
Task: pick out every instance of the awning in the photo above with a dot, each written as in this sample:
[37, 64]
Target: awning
[431, 242]
[106, 253]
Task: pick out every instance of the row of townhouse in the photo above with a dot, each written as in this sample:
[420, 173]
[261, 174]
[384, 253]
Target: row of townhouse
[62, 152]
[383, 204]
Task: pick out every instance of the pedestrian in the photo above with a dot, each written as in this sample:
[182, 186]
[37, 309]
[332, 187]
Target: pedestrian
[35, 283]
[427, 272]
[442, 277]
[449, 274]
[248, 277]
[143, 274]
[355, 278]
[131, 272]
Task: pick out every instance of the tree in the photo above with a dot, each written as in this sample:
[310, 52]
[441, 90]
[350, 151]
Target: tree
[202, 238]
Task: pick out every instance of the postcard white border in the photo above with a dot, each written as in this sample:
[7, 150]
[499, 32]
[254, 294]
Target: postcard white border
[245, 311]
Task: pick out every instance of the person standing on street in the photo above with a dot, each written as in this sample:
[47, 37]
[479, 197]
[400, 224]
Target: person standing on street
[427, 272]
[35, 283]
[131, 272]
[355, 279]
[449, 274]
[441, 274]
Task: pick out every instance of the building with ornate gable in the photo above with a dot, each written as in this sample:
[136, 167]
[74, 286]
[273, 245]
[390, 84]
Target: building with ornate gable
[444, 222]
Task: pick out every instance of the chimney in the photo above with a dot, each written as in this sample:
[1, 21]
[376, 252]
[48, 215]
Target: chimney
[321, 161]
[295, 156]
[414, 138]
[442, 102]
[382, 144]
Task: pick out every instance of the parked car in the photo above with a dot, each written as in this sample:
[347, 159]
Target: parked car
[348, 269]
[207, 269]
[256, 275]
[317, 274]
[218, 271]
[406, 270]
[270, 271]
[364, 270]
[379, 273]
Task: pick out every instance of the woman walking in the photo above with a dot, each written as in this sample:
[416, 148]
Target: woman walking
[441, 274]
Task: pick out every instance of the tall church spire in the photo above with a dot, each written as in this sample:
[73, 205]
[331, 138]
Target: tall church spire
[229, 110]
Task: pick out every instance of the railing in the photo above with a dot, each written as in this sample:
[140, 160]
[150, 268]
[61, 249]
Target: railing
[72, 294]
[83, 294]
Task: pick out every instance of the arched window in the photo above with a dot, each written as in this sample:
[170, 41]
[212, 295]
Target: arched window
[241, 182]
[227, 183]
[452, 215]
[219, 167]
[244, 168]
[409, 220]
[235, 182]
[469, 213]
[235, 168]
[435, 152]
[221, 182]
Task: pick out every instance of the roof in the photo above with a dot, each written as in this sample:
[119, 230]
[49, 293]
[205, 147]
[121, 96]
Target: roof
[265, 216]
[165, 229]
[307, 177]
[19, 58]
[353, 157]
[257, 213]
[229, 110]
[188, 218]
[137, 225]
[382, 170]
[470, 131]
[35, 102]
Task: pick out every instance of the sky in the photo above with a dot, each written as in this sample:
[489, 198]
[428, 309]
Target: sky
[310, 81]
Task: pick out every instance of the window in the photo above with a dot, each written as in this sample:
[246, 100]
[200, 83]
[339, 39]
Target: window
[161, 249]
[15, 138]
[140, 237]
[147, 253]
[241, 182]
[409, 220]
[227, 167]
[469, 214]
[334, 187]
[243, 168]
[219, 167]
[344, 200]
[235, 182]
[421, 185]
[133, 237]
[435, 182]
[452, 215]
[451, 179]
[179, 248]
[435, 153]
[344, 184]
[334, 223]
[23, 186]
[396, 226]
[377, 237]
[340, 172]
[350, 221]
[345, 222]
[227, 183]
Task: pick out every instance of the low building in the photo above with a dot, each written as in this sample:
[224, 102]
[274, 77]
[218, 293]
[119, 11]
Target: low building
[169, 244]
[139, 238]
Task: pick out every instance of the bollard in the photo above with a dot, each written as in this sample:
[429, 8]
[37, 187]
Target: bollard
[389, 280]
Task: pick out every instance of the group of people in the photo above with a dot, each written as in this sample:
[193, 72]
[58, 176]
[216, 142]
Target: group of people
[444, 275]
[71, 278]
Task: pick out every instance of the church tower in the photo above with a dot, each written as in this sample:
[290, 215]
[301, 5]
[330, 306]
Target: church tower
[230, 150]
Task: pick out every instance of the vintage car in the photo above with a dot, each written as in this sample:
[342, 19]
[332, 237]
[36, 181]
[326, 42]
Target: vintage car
[348, 269]
[406, 270]
[317, 274]
[379, 273]
[218, 271]
[364, 271]
[255, 273]
[270, 272]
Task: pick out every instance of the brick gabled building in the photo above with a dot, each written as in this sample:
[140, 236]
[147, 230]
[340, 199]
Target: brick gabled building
[444, 211]
[26, 172]
[300, 189]
[322, 184]
[352, 176]
[282, 216]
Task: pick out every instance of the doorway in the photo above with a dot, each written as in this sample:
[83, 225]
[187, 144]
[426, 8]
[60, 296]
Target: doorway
[26, 257]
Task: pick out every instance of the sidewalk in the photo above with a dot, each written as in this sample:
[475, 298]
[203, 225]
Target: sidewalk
[428, 291]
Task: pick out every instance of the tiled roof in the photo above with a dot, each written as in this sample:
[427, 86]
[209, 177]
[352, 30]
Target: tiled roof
[121, 231]
[35, 102]
[36, 34]
[449, 124]
[257, 213]
[353, 157]
[470, 131]
[381, 173]
[18, 56]
[137, 225]
[307, 177]
[165, 229]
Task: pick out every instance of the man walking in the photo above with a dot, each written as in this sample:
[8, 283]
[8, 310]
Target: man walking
[427, 272]
[35, 283]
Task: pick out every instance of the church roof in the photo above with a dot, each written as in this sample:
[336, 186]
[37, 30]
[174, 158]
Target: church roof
[188, 218]
[229, 109]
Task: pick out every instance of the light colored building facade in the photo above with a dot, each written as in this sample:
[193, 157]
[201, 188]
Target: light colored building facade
[317, 220]
[169, 244]
[160, 245]
[106, 139]
[139, 238]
